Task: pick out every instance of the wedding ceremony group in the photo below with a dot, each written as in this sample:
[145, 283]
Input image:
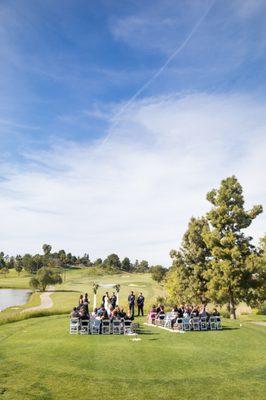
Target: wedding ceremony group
[111, 318]
[108, 318]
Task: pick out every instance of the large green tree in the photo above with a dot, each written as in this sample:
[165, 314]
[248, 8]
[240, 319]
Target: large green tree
[158, 273]
[112, 262]
[187, 280]
[232, 273]
[126, 264]
[47, 248]
[44, 277]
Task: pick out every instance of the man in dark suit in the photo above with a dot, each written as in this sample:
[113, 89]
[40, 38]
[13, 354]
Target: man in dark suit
[113, 300]
[131, 304]
[140, 303]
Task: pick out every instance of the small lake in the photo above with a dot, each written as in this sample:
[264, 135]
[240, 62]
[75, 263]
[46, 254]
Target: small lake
[13, 297]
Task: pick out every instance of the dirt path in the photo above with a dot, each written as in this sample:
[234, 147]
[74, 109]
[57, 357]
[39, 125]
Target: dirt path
[46, 301]
[261, 323]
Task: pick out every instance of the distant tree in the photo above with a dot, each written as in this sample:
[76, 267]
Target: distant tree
[126, 264]
[47, 248]
[85, 260]
[32, 264]
[135, 265]
[158, 273]
[98, 262]
[143, 266]
[256, 264]
[62, 258]
[186, 279]
[18, 264]
[231, 274]
[2, 260]
[44, 277]
[10, 262]
[112, 262]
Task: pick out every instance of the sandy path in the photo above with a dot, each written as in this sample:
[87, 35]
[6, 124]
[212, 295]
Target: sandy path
[261, 323]
[46, 301]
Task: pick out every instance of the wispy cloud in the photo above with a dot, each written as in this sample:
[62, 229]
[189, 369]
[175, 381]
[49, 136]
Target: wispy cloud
[135, 194]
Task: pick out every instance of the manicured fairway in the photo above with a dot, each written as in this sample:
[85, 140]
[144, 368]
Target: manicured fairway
[40, 360]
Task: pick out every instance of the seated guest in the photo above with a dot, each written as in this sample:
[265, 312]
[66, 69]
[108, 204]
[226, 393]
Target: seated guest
[180, 311]
[215, 313]
[104, 315]
[74, 313]
[161, 313]
[203, 312]
[158, 308]
[84, 315]
[129, 316]
[175, 309]
[186, 313]
[100, 311]
[152, 314]
[195, 311]
[94, 313]
[174, 315]
[121, 313]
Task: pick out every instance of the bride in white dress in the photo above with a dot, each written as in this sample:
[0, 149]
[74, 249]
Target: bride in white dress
[106, 301]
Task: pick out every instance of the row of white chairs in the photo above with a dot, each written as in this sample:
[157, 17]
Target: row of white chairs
[104, 326]
[190, 323]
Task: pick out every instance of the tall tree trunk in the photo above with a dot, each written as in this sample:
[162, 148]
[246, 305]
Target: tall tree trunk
[231, 305]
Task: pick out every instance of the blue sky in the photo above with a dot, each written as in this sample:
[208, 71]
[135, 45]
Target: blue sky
[88, 165]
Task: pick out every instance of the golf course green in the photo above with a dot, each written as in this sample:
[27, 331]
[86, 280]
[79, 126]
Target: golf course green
[41, 360]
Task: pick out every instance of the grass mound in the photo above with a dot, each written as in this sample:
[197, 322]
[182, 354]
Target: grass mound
[42, 361]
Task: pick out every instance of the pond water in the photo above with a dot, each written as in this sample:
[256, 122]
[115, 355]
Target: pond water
[13, 297]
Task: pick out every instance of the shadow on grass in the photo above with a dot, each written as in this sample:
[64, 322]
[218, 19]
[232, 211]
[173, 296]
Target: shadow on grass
[230, 328]
[145, 332]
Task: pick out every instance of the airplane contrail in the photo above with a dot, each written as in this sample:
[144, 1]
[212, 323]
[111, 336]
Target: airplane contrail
[160, 70]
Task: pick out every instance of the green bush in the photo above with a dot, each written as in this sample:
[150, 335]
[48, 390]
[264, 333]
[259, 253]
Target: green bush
[262, 309]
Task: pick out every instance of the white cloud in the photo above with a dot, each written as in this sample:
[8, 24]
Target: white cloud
[135, 193]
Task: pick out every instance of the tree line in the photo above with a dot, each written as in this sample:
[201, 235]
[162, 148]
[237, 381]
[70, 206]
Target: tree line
[217, 262]
[47, 268]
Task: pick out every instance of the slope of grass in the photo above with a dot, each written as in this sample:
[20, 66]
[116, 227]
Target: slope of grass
[15, 281]
[42, 361]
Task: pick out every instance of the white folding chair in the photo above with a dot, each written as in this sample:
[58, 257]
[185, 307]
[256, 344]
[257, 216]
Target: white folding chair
[196, 323]
[106, 327]
[203, 324]
[127, 327]
[95, 326]
[84, 327]
[218, 323]
[117, 326]
[212, 323]
[74, 326]
[186, 324]
[160, 320]
[178, 324]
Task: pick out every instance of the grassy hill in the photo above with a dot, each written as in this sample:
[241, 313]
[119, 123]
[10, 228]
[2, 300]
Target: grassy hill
[40, 360]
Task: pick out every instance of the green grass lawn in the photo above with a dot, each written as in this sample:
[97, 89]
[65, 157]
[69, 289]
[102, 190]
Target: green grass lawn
[13, 280]
[40, 360]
